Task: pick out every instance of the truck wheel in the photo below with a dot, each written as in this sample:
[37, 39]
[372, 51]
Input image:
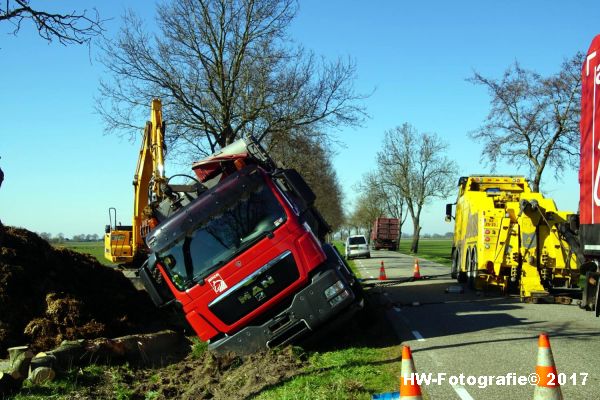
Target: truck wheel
[472, 267]
[454, 268]
[588, 296]
[596, 300]
[461, 275]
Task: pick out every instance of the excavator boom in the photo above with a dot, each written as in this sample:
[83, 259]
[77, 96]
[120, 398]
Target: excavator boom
[123, 244]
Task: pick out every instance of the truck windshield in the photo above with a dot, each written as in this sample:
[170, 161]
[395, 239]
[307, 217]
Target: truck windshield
[239, 215]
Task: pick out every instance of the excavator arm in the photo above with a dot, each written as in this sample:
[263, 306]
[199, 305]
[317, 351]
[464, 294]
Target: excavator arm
[123, 244]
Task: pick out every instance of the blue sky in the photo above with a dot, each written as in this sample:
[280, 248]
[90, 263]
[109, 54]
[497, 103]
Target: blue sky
[63, 173]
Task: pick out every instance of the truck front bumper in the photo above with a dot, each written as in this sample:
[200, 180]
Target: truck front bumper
[310, 308]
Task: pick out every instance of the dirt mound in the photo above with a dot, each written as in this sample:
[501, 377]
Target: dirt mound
[48, 295]
[221, 377]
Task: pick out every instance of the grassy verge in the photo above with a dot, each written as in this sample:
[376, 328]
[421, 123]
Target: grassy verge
[339, 245]
[438, 250]
[354, 361]
[354, 373]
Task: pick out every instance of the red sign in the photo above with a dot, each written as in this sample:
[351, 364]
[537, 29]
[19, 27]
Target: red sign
[589, 170]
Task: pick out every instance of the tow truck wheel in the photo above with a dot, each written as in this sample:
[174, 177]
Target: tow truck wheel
[454, 269]
[468, 267]
[461, 276]
[472, 266]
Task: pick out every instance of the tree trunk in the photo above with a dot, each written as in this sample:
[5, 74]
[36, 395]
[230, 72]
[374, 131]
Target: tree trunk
[20, 358]
[535, 185]
[414, 247]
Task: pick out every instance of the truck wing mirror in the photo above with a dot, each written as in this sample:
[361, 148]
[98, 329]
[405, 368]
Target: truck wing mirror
[448, 212]
[296, 183]
[152, 286]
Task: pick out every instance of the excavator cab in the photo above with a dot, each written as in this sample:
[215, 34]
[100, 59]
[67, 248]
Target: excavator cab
[117, 240]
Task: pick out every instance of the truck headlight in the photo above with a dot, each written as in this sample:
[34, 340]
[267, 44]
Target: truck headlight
[333, 290]
[339, 298]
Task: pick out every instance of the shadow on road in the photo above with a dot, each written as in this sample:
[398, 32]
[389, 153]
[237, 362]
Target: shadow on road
[451, 313]
[528, 338]
[445, 314]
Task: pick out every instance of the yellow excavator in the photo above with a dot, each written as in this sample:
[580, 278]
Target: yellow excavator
[124, 244]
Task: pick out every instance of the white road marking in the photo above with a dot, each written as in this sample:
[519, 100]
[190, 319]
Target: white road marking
[462, 392]
[418, 336]
[364, 269]
[397, 309]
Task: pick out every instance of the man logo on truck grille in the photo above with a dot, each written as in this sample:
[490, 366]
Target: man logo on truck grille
[257, 291]
[217, 283]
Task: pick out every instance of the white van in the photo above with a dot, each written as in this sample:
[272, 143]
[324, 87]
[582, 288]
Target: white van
[357, 246]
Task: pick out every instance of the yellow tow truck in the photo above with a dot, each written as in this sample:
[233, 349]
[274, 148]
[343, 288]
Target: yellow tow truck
[508, 236]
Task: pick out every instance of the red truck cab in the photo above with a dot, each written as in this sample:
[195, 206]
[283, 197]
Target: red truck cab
[245, 259]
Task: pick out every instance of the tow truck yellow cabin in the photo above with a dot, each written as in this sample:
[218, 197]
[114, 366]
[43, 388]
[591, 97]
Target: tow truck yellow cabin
[508, 236]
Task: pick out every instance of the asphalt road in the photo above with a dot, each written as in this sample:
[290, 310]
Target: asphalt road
[483, 334]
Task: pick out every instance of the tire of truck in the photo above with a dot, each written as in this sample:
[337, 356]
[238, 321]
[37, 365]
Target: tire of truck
[454, 268]
[597, 299]
[461, 276]
[472, 268]
[585, 296]
[588, 296]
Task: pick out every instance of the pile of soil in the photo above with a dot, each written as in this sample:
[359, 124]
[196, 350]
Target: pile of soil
[48, 295]
[220, 377]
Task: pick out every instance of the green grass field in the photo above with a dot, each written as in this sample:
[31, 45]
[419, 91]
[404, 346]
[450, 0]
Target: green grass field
[96, 249]
[437, 250]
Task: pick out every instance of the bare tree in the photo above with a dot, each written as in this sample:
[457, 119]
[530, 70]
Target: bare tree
[416, 164]
[223, 68]
[366, 210]
[68, 28]
[46, 236]
[387, 197]
[533, 120]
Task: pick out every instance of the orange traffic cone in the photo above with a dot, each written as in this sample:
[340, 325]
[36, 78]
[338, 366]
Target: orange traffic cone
[409, 387]
[382, 275]
[416, 272]
[547, 387]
